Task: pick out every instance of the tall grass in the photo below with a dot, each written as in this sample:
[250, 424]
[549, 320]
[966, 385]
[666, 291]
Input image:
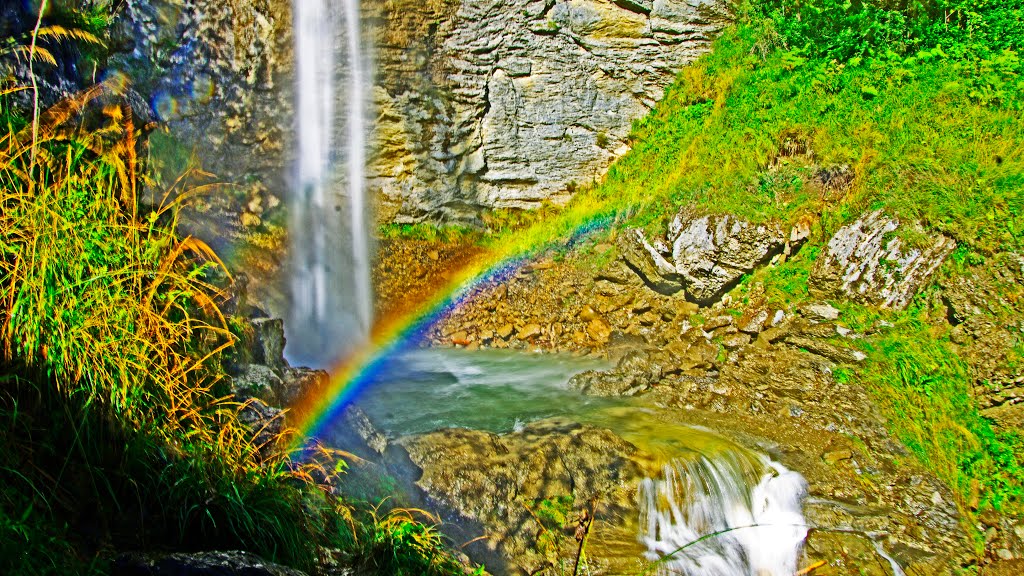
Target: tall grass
[119, 429]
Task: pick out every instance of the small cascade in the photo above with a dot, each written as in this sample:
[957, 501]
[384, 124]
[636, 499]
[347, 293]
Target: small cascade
[730, 514]
[331, 305]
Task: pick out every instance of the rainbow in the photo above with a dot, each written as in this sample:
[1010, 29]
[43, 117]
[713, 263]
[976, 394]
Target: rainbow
[314, 413]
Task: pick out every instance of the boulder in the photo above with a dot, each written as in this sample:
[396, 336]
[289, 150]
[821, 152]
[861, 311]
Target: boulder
[268, 342]
[868, 262]
[705, 254]
[256, 381]
[233, 563]
[712, 253]
[296, 382]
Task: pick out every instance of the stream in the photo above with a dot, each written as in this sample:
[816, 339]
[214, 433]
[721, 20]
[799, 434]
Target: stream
[716, 509]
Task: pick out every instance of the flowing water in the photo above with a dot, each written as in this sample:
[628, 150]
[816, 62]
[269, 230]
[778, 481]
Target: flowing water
[708, 486]
[749, 505]
[331, 300]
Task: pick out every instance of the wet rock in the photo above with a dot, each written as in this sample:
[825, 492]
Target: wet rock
[845, 553]
[296, 382]
[360, 423]
[233, 563]
[268, 342]
[865, 261]
[256, 381]
[494, 479]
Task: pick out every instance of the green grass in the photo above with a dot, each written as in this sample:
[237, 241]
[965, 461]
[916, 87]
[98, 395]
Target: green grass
[920, 104]
[118, 430]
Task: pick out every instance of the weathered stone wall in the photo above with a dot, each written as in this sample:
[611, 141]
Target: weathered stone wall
[218, 73]
[478, 103]
[508, 103]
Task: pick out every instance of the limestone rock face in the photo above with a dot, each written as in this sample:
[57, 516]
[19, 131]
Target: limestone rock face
[508, 103]
[865, 261]
[703, 254]
[214, 71]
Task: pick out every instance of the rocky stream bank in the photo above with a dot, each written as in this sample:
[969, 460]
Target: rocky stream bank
[774, 377]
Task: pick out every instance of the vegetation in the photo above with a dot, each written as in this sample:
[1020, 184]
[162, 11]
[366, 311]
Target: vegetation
[119, 430]
[820, 111]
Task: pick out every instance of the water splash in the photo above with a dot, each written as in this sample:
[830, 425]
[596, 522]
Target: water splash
[747, 507]
[331, 298]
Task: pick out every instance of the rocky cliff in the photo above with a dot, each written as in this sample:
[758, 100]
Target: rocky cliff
[507, 104]
[479, 103]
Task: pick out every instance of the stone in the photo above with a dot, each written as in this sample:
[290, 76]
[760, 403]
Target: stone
[712, 253]
[599, 330]
[528, 331]
[753, 320]
[736, 341]
[508, 103]
[868, 262]
[705, 255]
[588, 314]
[820, 312]
[256, 381]
[1004, 554]
[837, 456]
[233, 563]
[837, 354]
[648, 263]
[505, 331]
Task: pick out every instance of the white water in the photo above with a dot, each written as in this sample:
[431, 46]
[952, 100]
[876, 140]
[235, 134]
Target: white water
[331, 298]
[749, 506]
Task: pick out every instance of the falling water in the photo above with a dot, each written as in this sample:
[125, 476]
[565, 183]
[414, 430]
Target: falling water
[331, 298]
[747, 505]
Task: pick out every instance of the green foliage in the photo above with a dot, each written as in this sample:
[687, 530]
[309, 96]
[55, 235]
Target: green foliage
[425, 231]
[400, 545]
[844, 29]
[926, 390]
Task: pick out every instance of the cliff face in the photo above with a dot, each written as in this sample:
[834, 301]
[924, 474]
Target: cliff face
[479, 103]
[508, 103]
[218, 73]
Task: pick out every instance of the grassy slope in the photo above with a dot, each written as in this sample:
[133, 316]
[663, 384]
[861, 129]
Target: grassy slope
[922, 106]
[926, 136]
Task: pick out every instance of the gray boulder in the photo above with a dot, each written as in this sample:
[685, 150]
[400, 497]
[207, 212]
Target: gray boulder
[233, 563]
[868, 262]
[704, 254]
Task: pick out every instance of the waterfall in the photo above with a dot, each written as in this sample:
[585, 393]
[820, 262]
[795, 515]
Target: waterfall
[331, 301]
[747, 505]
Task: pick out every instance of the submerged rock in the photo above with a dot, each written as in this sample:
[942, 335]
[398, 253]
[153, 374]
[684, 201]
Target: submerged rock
[868, 262]
[496, 480]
